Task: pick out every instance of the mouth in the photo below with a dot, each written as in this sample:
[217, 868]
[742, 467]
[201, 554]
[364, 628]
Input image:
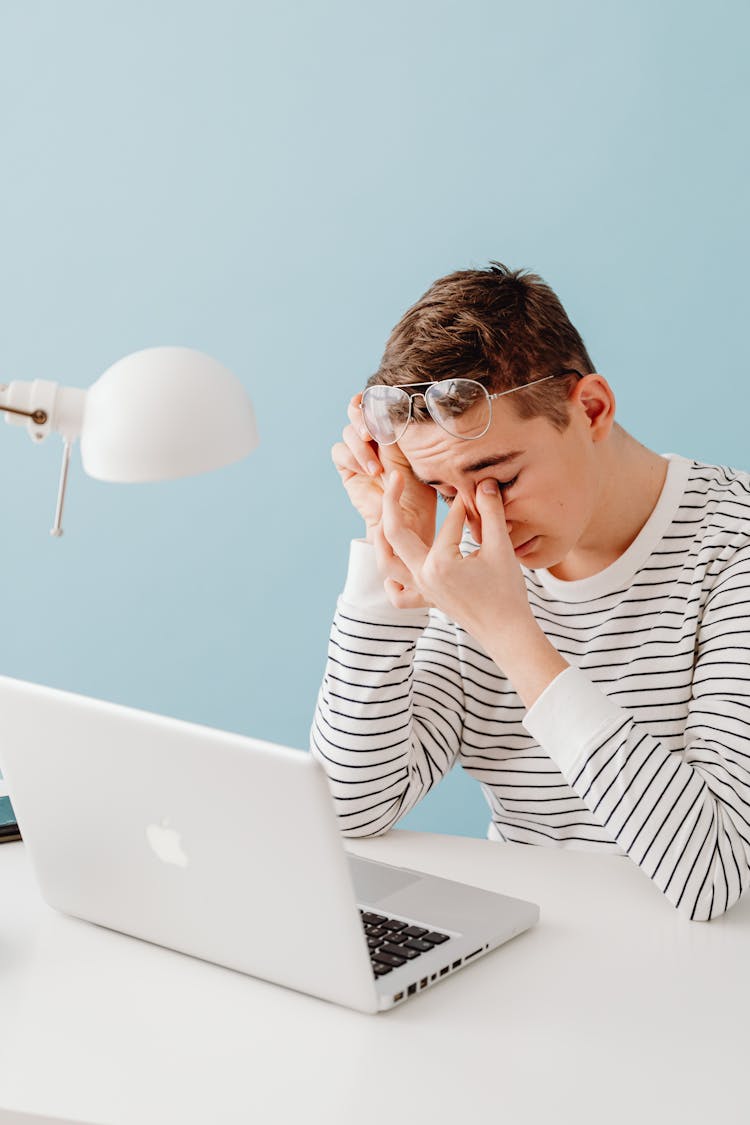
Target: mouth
[527, 547]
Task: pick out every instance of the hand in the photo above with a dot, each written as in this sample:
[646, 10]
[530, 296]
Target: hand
[399, 582]
[363, 465]
[484, 591]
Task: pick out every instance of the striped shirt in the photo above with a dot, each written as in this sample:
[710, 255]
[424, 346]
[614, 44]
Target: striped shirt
[641, 747]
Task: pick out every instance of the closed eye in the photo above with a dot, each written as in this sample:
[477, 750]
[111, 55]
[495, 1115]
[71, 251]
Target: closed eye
[503, 485]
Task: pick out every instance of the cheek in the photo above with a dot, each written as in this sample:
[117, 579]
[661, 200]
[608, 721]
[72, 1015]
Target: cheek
[542, 505]
[569, 508]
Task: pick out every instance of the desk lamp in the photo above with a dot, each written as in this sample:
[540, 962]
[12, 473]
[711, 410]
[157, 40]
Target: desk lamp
[157, 414]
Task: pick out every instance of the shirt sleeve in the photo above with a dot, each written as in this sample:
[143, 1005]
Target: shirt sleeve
[683, 817]
[389, 715]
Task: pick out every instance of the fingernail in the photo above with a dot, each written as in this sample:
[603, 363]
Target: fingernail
[363, 433]
[373, 468]
[489, 486]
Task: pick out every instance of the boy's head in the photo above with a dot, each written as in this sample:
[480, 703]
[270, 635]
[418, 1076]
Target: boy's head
[502, 327]
[506, 329]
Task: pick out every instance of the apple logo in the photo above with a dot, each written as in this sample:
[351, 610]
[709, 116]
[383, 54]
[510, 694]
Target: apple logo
[165, 843]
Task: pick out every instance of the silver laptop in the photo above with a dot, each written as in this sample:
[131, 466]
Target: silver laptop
[227, 848]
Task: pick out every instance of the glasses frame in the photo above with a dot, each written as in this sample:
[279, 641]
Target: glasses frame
[436, 383]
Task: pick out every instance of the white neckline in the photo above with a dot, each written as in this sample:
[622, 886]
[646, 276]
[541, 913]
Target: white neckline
[618, 575]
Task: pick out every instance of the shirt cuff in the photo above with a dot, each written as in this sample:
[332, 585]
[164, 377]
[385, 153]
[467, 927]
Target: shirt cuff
[364, 591]
[570, 718]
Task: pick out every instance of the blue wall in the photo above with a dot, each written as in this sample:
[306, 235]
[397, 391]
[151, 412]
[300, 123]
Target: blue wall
[274, 184]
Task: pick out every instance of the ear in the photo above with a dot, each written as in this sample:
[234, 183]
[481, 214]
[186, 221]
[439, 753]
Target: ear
[593, 397]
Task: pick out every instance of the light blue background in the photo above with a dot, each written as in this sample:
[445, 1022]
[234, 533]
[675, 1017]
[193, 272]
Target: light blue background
[275, 184]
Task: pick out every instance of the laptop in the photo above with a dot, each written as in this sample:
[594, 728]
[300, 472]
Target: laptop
[227, 848]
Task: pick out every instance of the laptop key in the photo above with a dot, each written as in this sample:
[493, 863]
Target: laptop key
[436, 938]
[420, 946]
[381, 970]
[388, 959]
[400, 951]
[414, 931]
[394, 924]
[376, 931]
[373, 919]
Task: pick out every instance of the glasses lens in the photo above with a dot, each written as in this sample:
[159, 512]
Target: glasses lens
[385, 411]
[460, 406]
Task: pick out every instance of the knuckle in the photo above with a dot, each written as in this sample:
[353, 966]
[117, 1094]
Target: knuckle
[397, 595]
[354, 409]
[341, 457]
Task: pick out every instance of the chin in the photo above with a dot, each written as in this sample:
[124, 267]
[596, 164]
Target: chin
[540, 558]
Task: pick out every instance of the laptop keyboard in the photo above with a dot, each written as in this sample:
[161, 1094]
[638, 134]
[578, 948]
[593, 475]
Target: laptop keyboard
[392, 942]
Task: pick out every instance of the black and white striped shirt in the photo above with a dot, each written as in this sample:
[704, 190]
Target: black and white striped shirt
[641, 747]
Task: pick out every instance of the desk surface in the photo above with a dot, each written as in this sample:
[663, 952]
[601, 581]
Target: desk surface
[613, 1009]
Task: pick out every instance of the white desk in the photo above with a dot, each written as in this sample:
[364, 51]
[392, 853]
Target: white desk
[614, 1009]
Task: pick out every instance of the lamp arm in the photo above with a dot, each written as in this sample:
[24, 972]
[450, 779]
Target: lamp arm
[45, 408]
[38, 416]
[57, 530]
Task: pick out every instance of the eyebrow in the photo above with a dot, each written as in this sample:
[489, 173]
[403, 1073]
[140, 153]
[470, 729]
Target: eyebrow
[484, 463]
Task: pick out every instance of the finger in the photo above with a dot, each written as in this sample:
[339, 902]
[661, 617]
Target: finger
[398, 581]
[492, 516]
[354, 412]
[448, 539]
[347, 465]
[363, 451]
[390, 566]
[356, 418]
[405, 542]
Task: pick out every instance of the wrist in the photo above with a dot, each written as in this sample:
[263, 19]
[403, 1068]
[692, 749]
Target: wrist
[527, 657]
[501, 638]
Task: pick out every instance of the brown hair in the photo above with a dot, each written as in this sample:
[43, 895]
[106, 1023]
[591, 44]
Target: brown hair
[499, 326]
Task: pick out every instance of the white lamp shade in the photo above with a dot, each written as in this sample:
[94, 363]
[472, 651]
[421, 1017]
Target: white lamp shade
[163, 413]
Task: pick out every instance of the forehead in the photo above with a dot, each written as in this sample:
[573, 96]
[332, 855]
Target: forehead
[435, 455]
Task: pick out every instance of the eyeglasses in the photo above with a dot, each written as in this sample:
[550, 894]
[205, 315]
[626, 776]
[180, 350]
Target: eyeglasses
[462, 407]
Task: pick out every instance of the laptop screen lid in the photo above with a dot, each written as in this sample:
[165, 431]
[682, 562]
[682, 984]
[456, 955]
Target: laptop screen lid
[203, 841]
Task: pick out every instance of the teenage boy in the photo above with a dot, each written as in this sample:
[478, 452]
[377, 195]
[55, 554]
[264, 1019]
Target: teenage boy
[576, 635]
